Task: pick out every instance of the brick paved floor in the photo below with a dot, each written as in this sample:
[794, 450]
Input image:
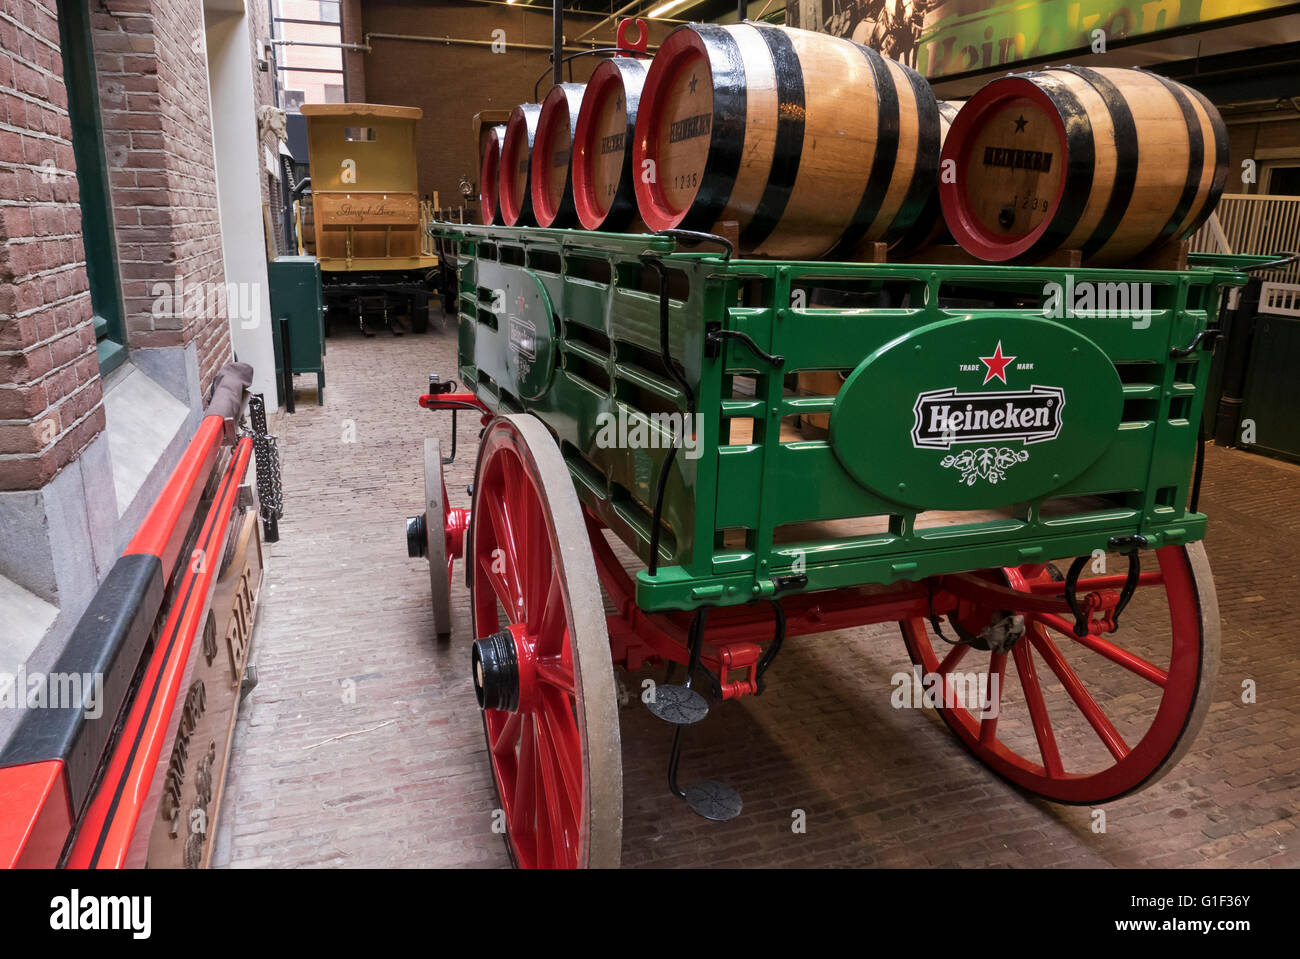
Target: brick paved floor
[363, 745]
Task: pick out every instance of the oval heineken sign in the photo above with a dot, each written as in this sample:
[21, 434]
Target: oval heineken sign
[976, 413]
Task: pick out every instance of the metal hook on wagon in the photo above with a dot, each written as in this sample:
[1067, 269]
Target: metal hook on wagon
[1126, 545]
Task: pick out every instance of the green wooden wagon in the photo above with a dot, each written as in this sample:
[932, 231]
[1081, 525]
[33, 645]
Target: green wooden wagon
[1005, 466]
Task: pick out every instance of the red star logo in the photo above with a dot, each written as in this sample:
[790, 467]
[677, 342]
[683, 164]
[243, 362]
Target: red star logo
[997, 364]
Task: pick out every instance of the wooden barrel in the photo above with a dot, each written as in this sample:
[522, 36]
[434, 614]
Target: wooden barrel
[551, 174]
[805, 140]
[515, 192]
[602, 146]
[1112, 162]
[490, 176]
[929, 227]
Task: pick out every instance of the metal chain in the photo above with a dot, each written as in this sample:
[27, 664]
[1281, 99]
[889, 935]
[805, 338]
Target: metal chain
[269, 493]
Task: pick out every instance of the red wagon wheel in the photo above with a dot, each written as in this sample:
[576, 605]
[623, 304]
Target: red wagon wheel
[542, 669]
[435, 502]
[1086, 720]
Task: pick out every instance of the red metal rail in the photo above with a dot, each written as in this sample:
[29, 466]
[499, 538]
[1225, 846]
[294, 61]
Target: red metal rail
[48, 766]
[107, 830]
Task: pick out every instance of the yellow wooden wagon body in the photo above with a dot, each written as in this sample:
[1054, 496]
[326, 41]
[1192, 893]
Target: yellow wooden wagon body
[366, 204]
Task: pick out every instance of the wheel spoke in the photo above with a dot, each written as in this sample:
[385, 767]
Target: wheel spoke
[542, 847]
[501, 589]
[525, 787]
[563, 734]
[954, 657]
[989, 721]
[507, 738]
[552, 800]
[519, 503]
[554, 671]
[1047, 748]
[1104, 728]
[1131, 662]
[539, 571]
[550, 630]
[505, 765]
[505, 541]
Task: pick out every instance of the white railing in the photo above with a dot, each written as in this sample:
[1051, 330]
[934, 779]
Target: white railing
[1281, 299]
[1254, 223]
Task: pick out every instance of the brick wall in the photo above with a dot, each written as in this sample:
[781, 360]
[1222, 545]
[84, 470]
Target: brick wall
[452, 82]
[158, 133]
[50, 400]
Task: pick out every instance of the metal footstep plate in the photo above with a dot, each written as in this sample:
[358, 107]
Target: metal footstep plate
[714, 800]
[678, 705]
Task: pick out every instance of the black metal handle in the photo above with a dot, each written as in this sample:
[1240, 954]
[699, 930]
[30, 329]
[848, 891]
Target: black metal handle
[665, 354]
[1071, 597]
[714, 334]
[1284, 258]
[1210, 334]
[695, 238]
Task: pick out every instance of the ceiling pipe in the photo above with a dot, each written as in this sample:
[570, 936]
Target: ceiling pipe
[364, 47]
[613, 16]
[458, 41]
[557, 39]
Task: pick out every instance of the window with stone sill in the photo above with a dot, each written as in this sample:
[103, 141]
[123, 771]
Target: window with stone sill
[92, 179]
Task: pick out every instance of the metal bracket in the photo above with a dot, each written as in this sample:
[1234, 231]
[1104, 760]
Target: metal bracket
[1127, 544]
[793, 581]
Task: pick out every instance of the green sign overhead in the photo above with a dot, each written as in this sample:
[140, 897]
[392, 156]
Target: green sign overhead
[950, 37]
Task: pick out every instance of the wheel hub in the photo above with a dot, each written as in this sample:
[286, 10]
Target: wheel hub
[501, 665]
[415, 536]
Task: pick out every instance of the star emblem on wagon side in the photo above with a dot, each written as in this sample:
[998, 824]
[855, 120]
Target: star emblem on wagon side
[997, 365]
[694, 80]
[1020, 122]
